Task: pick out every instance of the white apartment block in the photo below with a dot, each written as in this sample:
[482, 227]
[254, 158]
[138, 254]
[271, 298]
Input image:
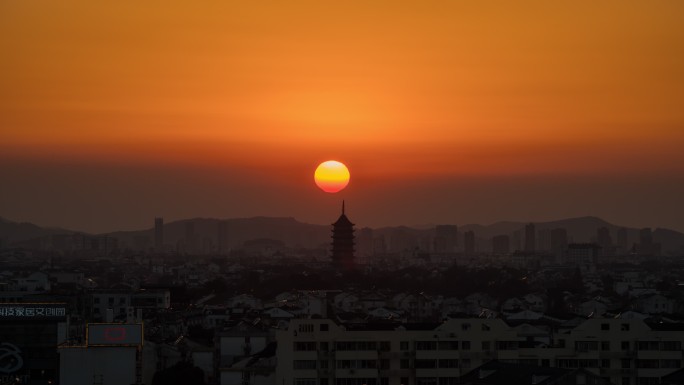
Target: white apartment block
[320, 352]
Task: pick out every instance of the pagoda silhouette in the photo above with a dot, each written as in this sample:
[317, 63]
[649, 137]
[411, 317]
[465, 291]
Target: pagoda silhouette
[343, 242]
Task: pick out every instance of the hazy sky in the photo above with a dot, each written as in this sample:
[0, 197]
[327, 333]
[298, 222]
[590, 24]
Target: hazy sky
[444, 111]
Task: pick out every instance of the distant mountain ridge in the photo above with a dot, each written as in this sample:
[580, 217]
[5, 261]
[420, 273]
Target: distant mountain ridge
[299, 234]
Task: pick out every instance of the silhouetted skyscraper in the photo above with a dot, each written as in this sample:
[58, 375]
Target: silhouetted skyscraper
[530, 238]
[646, 245]
[501, 244]
[446, 238]
[190, 242]
[603, 237]
[604, 240]
[554, 241]
[222, 237]
[364, 244]
[622, 242]
[646, 236]
[343, 242]
[469, 242]
[159, 233]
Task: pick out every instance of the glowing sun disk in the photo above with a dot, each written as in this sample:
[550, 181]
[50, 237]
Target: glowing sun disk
[331, 176]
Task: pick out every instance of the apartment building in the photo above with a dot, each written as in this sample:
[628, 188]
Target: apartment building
[623, 352]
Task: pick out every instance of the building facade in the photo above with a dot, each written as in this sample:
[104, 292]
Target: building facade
[320, 352]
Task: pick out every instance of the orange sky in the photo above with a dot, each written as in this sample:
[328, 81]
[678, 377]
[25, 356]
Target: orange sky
[398, 90]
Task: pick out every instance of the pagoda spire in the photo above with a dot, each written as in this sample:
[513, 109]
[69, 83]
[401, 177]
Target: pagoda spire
[343, 241]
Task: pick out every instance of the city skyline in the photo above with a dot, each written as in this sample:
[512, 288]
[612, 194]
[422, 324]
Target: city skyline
[443, 112]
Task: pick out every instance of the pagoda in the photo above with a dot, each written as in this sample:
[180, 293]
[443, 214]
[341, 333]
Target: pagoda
[343, 242]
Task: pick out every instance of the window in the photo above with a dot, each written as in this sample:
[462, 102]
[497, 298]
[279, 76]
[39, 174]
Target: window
[448, 363]
[507, 345]
[324, 346]
[605, 326]
[96, 300]
[385, 346]
[605, 345]
[304, 381]
[384, 364]
[384, 380]
[465, 345]
[356, 345]
[323, 327]
[625, 381]
[323, 364]
[670, 364]
[624, 327]
[304, 346]
[672, 345]
[465, 363]
[403, 345]
[306, 328]
[426, 364]
[647, 345]
[426, 345]
[624, 345]
[465, 326]
[345, 364]
[426, 381]
[486, 328]
[304, 364]
[404, 381]
[585, 346]
[605, 363]
[626, 363]
[404, 364]
[448, 345]
[323, 381]
[448, 380]
[485, 345]
[356, 381]
[647, 364]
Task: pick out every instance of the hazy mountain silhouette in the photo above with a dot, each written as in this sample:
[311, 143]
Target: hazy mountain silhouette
[238, 230]
[298, 234]
[12, 232]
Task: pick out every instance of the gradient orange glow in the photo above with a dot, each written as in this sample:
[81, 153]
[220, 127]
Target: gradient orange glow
[500, 88]
[331, 176]
[408, 93]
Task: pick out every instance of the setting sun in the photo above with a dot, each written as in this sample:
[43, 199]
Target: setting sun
[331, 176]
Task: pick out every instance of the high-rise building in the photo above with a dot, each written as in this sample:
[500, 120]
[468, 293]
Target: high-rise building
[190, 241]
[604, 240]
[530, 238]
[622, 243]
[501, 244]
[469, 242]
[446, 238]
[159, 233]
[646, 245]
[553, 241]
[222, 237]
[645, 236]
[517, 240]
[343, 242]
[364, 244]
[603, 237]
